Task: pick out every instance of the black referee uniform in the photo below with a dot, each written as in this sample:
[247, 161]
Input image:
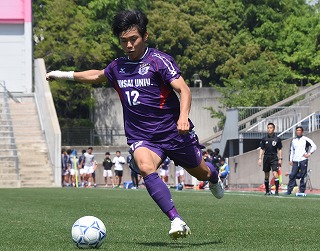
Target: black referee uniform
[270, 144]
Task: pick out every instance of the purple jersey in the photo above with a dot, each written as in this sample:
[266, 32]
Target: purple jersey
[150, 106]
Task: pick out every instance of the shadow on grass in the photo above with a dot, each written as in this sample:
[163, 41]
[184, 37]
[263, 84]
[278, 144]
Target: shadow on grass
[176, 244]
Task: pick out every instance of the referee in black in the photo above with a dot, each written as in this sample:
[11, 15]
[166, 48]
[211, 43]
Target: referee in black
[271, 150]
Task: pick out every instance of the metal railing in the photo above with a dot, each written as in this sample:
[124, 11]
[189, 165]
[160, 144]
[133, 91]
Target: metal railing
[310, 123]
[249, 119]
[6, 117]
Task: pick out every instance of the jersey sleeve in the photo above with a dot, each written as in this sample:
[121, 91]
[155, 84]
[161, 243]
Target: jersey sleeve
[108, 72]
[167, 67]
[279, 143]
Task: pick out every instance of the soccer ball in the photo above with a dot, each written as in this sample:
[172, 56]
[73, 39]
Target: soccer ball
[88, 232]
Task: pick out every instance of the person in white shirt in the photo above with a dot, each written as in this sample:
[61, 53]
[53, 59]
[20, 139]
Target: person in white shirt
[300, 150]
[90, 165]
[118, 162]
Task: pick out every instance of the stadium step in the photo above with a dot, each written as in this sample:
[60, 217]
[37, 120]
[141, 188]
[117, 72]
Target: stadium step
[9, 183]
[30, 142]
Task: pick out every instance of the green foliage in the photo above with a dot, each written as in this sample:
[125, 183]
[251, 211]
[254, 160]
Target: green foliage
[247, 48]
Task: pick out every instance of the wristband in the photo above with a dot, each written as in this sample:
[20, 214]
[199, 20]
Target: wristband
[61, 75]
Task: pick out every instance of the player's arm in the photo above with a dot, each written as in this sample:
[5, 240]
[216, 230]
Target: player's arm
[280, 156]
[261, 152]
[180, 86]
[90, 76]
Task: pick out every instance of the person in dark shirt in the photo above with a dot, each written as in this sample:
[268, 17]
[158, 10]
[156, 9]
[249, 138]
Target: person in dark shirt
[107, 172]
[271, 150]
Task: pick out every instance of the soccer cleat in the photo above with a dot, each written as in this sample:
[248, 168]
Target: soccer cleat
[268, 193]
[217, 189]
[179, 229]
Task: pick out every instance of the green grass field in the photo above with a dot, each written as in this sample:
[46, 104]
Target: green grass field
[41, 219]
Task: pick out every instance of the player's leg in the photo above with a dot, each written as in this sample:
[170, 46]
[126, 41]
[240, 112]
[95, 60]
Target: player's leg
[304, 169]
[120, 177]
[116, 178]
[148, 162]
[105, 176]
[292, 177]
[275, 169]
[266, 181]
[266, 168]
[110, 175]
[206, 171]
[94, 178]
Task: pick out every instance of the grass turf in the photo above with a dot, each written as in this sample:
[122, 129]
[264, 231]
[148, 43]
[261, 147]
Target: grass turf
[41, 219]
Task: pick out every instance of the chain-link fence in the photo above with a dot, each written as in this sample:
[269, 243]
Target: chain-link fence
[84, 136]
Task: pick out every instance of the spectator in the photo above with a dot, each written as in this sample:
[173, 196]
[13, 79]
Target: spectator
[73, 168]
[90, 166]
[65, 162]
[216, 157]
[107, 172]
[81, 167]
[179, 177]
[164, 170]
[134, 176]
[224, 169]
[118, 162]
[206, 156]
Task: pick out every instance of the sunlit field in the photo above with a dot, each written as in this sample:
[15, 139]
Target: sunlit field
[41, 219]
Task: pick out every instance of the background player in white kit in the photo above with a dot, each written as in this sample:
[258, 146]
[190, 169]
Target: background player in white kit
[90, 165]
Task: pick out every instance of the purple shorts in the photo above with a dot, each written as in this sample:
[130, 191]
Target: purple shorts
[184, 150]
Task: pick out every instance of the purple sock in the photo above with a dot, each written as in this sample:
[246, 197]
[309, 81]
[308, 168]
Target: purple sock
[160, 194]
[214, 174]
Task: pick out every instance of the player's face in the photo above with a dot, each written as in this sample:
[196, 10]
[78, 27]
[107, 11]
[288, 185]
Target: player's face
[133, 44]
[270, 129]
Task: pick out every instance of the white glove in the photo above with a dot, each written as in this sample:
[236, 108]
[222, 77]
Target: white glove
[60, 75]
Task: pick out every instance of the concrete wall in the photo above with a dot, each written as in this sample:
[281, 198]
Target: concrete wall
[16, 45]
[108, 111]
[245, 172]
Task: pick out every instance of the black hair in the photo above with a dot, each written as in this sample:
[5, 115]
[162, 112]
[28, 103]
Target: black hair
[90, 147]
[83, 151]
[128, 19]
[69, 151]
[299, 127]
[272, 125]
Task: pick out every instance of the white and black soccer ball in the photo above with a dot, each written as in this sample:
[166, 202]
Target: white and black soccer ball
[88, 232]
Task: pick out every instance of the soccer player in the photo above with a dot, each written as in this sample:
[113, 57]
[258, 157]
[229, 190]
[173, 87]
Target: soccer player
[156, 122]
[271, 149]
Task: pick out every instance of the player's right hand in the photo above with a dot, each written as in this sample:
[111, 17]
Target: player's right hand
[59, 75]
